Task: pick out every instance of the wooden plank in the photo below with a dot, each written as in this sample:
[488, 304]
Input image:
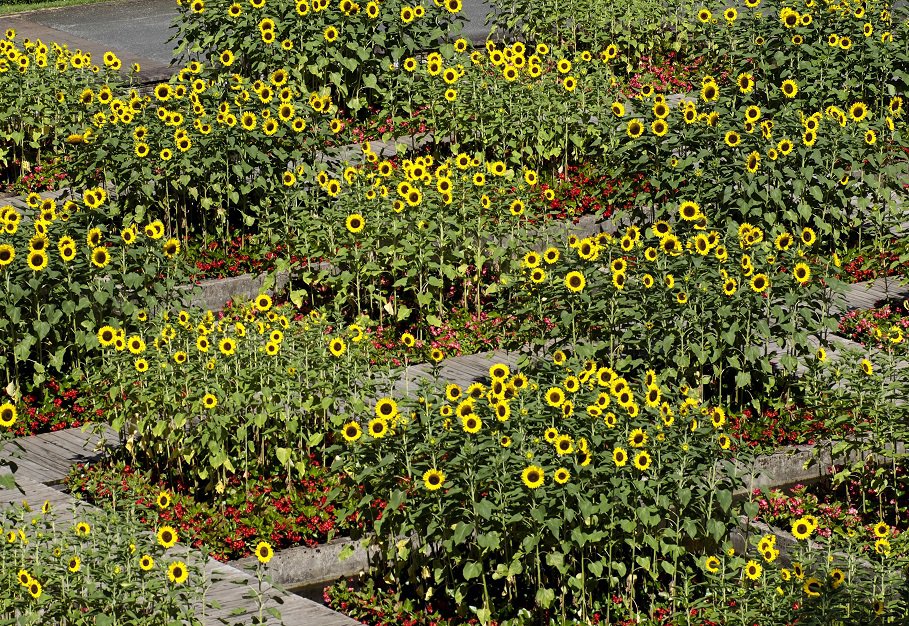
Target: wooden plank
[74, 440]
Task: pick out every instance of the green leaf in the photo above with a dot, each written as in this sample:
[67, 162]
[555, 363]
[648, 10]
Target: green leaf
[296, 296]
[472, 569]
[462, 531]
[545, 597]
[724, 498]
[484, 508]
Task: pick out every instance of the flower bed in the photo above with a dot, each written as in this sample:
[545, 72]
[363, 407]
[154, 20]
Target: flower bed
[867, 263]
[227, 524]
[769, 429]
[55, 406]
[883, 327]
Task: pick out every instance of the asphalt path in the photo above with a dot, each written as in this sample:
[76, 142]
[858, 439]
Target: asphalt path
[142, 28]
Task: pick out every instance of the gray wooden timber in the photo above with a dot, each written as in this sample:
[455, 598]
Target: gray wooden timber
[866, 294]
[47, 458]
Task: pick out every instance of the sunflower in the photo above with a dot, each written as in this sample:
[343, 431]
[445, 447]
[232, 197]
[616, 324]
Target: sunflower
[642, 461]
[163, 500]
[34, 588]
[561, 476]
[209, 401]
[146, 562]
[802, 528]
[753, 162]
[882, 546]
[837, 578]
[789, 88]
[812, 587]
[619, 456]
[337, 346]
[881, 529]
[74, 564]
[263, 302]
[167, 536]
[135, 344]
[575, 281]
[555, 397]
[37, 260]
[378, 427]
[659, 127]
[351, 431]
[177, 572]
[618, 109]
[635, 128]
[7, 254]
[712, 564]
[264, 552]
[433, 479]
[858, 111]
[637, 438]
[753, 570]
[802, 273]
[732, 139]
[171, 248]
[386, 408]
[710, 92]
[470, 422]
[533, 476]
[436, 355]
[563, 445]
[688, 211]
[8, 414]
[760, 283]
[453, 392]
[227, 346]
[704, 15]
[867, 367]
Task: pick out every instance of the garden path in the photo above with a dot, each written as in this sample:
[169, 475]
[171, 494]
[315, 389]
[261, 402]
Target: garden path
[131, 44]
[865, 294]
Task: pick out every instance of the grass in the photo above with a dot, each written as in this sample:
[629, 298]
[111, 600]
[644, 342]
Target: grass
[35, 5]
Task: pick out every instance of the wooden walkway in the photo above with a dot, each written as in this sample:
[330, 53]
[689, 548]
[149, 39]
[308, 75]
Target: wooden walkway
[866, 294]
[46, 459]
